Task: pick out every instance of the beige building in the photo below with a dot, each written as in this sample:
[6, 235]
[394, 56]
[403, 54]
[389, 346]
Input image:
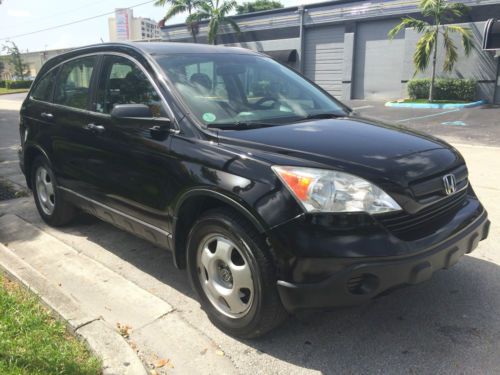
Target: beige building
[34, 61]
[124, 26]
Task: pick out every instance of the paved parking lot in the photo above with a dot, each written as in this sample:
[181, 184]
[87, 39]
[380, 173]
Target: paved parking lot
[479, 126]
[448, 325]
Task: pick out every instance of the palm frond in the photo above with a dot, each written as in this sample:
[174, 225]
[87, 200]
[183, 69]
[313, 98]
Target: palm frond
[408, 22]
[457, 9]
[174, 10]
[423, 50]
[427, 4]
[233, 24]
[467, 38]
[161, 3]
[227, 6]
[197, 16]
[451, 55]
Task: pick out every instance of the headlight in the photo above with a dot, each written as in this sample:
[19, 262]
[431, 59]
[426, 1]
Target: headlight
[320, 190]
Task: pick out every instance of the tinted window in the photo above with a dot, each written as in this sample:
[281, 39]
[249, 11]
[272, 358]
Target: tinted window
[43, 90]
[123, 82]
[73, 84]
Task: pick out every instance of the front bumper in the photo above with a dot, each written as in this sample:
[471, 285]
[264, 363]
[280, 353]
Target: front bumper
[352, 281]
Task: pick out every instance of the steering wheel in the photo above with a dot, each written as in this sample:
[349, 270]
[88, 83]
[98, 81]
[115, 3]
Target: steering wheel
[258, 104]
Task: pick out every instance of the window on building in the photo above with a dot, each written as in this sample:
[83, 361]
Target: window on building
[73, 84]
[123, 82]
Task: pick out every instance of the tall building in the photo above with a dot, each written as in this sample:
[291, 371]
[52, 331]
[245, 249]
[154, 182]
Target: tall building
[124, 26]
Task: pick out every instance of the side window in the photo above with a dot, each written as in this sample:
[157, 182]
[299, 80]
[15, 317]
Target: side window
[122, 82]
[73, 84]
[44, 88]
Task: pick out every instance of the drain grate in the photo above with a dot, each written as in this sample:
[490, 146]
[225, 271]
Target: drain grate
[7, 191]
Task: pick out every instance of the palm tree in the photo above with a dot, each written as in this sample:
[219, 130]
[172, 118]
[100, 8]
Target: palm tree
[178, 7]
[439, 11]
[217, 14]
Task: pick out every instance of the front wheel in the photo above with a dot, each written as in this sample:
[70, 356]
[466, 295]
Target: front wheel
[233, 273]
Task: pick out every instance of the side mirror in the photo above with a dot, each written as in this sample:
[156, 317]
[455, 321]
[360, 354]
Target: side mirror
[135, 114]
[131, 111]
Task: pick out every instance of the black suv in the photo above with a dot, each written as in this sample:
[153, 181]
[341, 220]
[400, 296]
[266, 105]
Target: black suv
[273, 195]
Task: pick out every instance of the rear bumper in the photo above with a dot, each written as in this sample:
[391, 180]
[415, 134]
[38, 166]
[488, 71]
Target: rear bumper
[361, 279]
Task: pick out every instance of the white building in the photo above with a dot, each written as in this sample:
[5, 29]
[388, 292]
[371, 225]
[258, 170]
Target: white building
[124, 26]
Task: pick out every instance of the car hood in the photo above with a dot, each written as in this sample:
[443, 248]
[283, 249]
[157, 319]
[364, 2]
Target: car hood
[365, 147]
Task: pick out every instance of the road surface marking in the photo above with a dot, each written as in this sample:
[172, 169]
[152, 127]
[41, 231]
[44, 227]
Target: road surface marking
[363, 107]
[433, 115]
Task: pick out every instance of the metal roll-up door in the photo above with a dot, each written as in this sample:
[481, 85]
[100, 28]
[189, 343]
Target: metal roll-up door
[378, 61]
[324, 57]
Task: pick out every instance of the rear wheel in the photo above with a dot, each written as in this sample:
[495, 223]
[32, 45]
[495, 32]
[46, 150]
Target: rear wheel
[51, 206]
[233, 273]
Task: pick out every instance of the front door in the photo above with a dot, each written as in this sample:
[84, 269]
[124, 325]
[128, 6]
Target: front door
[131, 168]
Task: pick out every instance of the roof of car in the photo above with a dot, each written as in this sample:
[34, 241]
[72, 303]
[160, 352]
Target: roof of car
[161, 48]
[148, 48]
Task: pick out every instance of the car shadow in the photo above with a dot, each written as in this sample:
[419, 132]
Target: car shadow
[449, 324]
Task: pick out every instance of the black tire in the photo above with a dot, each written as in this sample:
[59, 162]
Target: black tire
[63, 212]
[266, 311]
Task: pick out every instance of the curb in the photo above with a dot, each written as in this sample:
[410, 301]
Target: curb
[12, 93]
[116, 355]
[436, 105]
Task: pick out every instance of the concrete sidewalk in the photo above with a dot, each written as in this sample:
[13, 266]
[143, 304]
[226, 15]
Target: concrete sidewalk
[159, 335]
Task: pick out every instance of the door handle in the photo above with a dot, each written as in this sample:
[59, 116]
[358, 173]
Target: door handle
[95, 128]
[47, 116]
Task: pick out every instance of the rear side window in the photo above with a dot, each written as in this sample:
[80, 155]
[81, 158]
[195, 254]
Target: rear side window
[73, 84]
[121, 81]
[44, 88]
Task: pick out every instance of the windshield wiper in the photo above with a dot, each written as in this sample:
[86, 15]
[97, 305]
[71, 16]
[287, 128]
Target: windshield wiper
[240, 125]
[323, 115]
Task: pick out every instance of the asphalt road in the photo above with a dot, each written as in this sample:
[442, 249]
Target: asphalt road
[448, 325]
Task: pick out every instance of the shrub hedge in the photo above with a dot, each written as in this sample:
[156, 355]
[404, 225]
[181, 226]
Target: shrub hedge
[2, 83]
[444, 89]
[18, 84]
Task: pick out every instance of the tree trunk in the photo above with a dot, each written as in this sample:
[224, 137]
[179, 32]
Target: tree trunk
[193, 33]
[433, 77]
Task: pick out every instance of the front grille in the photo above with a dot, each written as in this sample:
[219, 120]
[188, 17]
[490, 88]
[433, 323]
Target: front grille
[431, 188]
[411, 226]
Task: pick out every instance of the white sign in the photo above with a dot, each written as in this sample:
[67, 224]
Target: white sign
[123, 18]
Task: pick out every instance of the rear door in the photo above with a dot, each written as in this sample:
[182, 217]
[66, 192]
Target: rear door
[130, 170]
[72, 146]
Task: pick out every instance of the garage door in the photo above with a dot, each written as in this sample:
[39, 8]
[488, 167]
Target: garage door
[324, 56]
[378, 65]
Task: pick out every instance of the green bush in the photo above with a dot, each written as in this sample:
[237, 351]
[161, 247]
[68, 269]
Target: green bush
[444, 89]
[18, 84]
[2, 83]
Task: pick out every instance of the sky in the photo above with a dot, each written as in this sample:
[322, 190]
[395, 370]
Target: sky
[25, 16]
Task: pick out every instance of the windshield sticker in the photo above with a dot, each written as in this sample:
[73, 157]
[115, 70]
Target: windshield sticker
[209, 117]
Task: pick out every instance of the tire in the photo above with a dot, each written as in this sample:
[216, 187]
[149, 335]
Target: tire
[51, 205]
[222, 241]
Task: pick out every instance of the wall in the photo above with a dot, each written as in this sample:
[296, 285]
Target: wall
[480, 65]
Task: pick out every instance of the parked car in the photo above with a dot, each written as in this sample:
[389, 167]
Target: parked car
[275, 196]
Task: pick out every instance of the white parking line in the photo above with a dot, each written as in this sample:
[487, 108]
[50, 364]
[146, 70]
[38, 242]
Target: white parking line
[433, 115]
[363, 107]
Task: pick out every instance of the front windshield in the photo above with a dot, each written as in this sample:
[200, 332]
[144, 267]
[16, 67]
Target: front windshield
[230, 89]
